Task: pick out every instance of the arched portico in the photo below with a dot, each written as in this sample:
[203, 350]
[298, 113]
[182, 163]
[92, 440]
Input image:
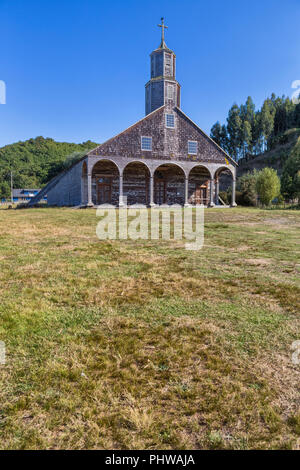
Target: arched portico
[136, 183]
[224, 176]
[105, 183]
[152, 181]
[169, 184]
[200, 186]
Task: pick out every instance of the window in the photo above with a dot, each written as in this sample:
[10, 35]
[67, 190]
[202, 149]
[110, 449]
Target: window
[146, 143]
[153, 66]
[168, 65]
[170, 92]
[170, 120]
[192, 147]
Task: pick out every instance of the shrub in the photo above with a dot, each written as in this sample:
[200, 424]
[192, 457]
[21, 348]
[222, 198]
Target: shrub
[246, 189]
[280, 199]
[239, 198]
[267, 185]
[224, 196]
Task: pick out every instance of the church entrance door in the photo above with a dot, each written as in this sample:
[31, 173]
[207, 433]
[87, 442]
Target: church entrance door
[160, 191]
[201, 195]
[103, 191]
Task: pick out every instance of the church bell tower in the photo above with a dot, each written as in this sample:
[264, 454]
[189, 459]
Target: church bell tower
[162, 88]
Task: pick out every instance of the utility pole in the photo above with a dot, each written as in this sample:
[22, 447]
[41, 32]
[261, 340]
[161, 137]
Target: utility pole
[11, 187]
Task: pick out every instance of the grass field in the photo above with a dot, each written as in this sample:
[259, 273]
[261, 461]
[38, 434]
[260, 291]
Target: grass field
[144, 345]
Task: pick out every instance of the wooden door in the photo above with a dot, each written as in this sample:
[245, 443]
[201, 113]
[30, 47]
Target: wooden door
[160, 187]
[201, 195]
[104, 193]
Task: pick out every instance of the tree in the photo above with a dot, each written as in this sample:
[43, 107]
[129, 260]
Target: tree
[246, 185]
[250, 131]
[234, 129]
[267, 185]
[4, 190]
[248, 110]
[296, 120]
[219, 134]
[216, 132]
[284, 115]
[36, 161]
[267, 121]
[247, 136]
[257, 137]
[291, 174]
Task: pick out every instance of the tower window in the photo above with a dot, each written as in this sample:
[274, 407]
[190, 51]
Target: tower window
[153, 66]
[170, 92]
[170, 120]
[168, 65]
[192, 147]
[146, 143]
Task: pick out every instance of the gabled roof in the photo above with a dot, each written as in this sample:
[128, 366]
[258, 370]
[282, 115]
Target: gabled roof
[206, 135]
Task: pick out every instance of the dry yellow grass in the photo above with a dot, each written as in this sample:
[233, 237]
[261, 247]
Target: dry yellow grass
[144, 345]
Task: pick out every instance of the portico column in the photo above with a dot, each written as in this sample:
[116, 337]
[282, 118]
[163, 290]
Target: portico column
[89, 182]
[151, 192]
[211, 204]
[121, 202]
[233, 203]
[186, 191]
[217, 191]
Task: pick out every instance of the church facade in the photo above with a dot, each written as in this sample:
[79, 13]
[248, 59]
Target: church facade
[164, 158]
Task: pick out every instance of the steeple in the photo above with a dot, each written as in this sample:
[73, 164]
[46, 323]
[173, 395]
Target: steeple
[162, 89]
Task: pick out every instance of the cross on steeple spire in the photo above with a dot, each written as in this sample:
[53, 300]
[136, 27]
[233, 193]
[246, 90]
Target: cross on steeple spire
[163, 27]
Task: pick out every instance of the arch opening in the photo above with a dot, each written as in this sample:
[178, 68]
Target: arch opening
[169, 181]
[136, 183]
[105, 183]
[199, 186]
[223, 186]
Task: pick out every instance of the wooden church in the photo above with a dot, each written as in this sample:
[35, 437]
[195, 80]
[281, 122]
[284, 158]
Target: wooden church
[164, 158]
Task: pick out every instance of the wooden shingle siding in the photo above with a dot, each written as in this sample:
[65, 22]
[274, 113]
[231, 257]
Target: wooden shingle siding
[170, 144]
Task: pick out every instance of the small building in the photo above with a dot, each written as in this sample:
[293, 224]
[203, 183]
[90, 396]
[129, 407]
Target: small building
[23, 196]
[165, 158]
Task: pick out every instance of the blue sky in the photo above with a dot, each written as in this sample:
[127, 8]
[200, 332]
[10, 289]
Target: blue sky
[76, 69]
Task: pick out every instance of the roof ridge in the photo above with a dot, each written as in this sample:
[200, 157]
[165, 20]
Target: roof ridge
[125, 130]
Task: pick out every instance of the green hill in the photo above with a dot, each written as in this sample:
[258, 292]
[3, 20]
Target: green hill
[274, 158]
[35, 161]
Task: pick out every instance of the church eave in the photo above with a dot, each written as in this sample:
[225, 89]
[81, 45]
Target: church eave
[161, 49]
[162, 77]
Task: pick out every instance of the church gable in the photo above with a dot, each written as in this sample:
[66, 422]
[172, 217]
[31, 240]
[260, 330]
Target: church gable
[169, 134]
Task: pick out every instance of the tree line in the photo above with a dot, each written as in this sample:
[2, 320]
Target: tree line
[251, 131]
[36, 161]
